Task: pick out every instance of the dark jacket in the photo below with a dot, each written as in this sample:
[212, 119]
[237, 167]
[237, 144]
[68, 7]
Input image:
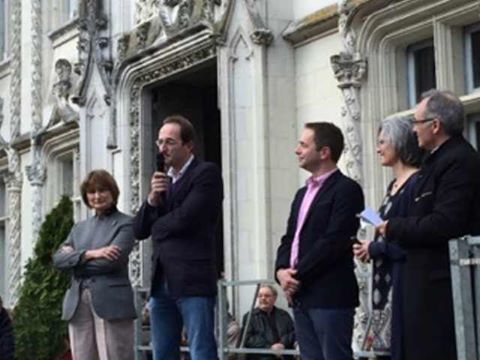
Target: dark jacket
[446, 205]
[325, 258]
[261, 335]
[7, 343]
[183, 232]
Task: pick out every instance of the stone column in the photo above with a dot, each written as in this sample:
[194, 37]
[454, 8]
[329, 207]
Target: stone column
[14, 191]
[349, 67]
[36, 176]
[36, 172]
[14, 176]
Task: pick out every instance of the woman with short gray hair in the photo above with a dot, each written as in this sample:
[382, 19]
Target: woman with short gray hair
[397, 148]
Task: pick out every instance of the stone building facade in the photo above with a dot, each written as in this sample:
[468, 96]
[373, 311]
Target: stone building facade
[84, 84]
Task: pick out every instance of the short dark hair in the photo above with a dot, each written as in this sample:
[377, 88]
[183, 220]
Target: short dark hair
[398, 133]
[187, 131]
[447, 108]
[99, 180]
[327, 134]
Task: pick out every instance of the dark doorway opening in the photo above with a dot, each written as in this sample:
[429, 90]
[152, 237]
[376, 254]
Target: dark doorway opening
[193, 94]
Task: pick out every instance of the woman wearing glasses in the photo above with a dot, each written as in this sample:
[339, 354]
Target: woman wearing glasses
[397, 148]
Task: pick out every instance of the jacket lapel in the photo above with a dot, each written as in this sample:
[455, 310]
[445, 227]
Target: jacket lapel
[100, 241]
[176, 188]
[332, 179]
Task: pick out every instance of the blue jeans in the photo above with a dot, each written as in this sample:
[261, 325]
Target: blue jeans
[324, 334]
[168, 316]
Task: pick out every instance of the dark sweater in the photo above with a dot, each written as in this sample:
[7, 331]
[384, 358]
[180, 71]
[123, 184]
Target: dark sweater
[266, 329]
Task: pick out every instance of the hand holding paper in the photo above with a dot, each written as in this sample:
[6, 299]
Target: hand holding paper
[371, 216]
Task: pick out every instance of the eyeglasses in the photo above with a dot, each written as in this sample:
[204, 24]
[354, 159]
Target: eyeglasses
[421, 121]
[167, 142]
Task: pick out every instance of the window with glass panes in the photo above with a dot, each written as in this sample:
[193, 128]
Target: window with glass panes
[472, 57]
[421, 70]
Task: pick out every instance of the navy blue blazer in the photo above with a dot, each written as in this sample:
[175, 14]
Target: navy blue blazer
[325, 260]
[183, 232]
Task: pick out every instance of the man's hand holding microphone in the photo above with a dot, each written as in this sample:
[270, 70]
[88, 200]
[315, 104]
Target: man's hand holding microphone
[159, 183]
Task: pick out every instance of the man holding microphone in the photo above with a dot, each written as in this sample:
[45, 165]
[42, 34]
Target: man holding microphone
[181, 214]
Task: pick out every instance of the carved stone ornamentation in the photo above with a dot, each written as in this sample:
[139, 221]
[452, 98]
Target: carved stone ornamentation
[13, 180]
[14, 176]
[176, 14]
[36, 92]
[122, 47]
[93, 48]
[16, 64]
[34, 171]
[350, 69]
[36, 175]
[63, 110]
[262, 37]
[209, 10]
[142, 34]
[261, 34]
[146, 10]
[62, 87]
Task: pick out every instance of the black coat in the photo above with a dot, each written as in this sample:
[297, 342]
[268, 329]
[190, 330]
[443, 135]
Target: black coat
[7, 343]
[261, 335]
[325, 258]
[183, 232]
[446, 205]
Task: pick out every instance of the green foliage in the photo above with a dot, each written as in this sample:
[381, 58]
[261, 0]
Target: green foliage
[39, 330]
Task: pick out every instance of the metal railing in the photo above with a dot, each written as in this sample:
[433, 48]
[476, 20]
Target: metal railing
[224, 350]
[465, 278]
[143, 347]
[465, 273]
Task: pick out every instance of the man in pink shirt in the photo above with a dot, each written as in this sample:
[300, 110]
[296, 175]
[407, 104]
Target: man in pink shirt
[314, 262]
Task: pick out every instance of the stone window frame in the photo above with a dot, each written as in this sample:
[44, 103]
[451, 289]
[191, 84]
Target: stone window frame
[60, 26]
[65, 12]
[468, 56]
[6, 26]
[411, 70]
[56, 150]
[383, 38]
[472, 122]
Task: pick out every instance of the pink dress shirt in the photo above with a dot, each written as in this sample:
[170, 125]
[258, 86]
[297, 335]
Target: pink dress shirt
[313, 186]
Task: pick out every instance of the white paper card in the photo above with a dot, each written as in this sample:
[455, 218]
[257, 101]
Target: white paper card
[371, 216]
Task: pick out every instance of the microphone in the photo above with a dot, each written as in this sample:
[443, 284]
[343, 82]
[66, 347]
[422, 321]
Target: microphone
[159, 163]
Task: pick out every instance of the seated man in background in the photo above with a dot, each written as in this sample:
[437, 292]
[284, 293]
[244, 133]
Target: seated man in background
[269, 326]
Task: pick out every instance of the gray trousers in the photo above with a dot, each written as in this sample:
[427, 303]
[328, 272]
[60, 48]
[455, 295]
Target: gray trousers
[93, 338]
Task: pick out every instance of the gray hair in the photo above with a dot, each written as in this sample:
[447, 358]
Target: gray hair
[271, 287]
[398, 132]
[447, 108]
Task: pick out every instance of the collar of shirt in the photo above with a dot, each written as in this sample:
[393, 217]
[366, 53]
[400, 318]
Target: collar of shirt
[106, 213]
[319, 180]
[176, 176]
